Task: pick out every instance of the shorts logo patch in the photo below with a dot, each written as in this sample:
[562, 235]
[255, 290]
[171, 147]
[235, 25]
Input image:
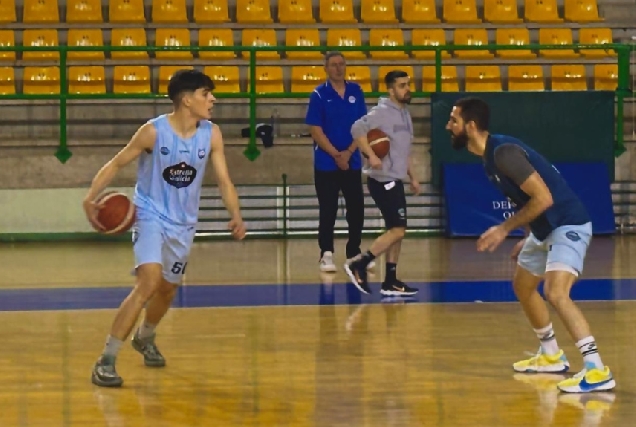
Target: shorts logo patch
[573, 235]
[135, 235]
[401, 212]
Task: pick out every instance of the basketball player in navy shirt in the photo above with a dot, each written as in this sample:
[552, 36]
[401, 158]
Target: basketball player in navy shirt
[173, 150]
[554, 250]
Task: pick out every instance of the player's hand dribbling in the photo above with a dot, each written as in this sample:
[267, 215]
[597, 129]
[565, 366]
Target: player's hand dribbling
[492, 238]
[237, 227]
[91, 209]
[517, 249]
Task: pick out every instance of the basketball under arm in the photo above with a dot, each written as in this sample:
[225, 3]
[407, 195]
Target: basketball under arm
[362, 126]
[143, 139]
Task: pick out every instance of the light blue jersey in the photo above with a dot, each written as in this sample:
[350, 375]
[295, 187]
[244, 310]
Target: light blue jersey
[169, 179]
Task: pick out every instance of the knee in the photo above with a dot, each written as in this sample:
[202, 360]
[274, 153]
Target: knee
[555, 294]
[398, 232]
[166, 290]
[149, 280]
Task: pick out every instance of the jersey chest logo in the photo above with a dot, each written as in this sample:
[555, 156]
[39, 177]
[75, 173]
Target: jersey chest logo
[180, 175]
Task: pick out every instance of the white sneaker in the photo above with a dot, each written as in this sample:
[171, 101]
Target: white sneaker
[326, 263]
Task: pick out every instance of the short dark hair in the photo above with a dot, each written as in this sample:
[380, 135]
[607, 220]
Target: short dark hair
[474, 110]
[187, 80]
[332, 54]
[393, 75]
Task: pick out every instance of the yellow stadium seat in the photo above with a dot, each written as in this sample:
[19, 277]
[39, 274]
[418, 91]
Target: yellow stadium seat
[40, 38]
[460, 12]
[211, 11]
[7, 81]
[514, 36]
[483, 78]
[36, 11]
[337, 12]
[556, 36]
[387, 37]
[569, 77]
[471, 37]
[419, 12]
[41, 80]
[606, 77]
[263, 37]
[378, 12]
[268, 79]
[303, 37]
[305, 78]
[90, 79]
[7, 38]
[216, 37]
[501, 12]
[596, 36]
[360, 74]
[253, 12]
[226, 78]
[169, 11]
[450, 82]
[131, 79]
[126, 11]
[128, 37]
[384, 69]
[346, 37]
[525, 78]
[542, 11]
[7, 12]
[428, 37]
[295, 12]
[85, 37]
[173, 37]
[581, 11]
[165, 74]
[83, 11]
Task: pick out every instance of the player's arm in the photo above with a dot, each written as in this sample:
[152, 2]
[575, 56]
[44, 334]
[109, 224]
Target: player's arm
[362, 126]
[513, 162]
[225, 184]
[142, 140]
[315, 118]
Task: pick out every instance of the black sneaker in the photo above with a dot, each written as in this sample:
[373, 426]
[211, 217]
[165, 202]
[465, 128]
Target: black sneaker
[397, 288]
[358, 275]
[104, 373]
[147, 347]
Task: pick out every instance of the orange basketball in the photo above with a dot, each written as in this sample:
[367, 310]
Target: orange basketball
[379, 142]
[117, 214]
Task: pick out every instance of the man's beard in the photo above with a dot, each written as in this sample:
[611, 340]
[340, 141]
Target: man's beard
[459, 142]
[405, 100]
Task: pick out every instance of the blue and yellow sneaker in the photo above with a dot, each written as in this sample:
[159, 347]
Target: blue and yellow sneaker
[543, 363]
[588, 380]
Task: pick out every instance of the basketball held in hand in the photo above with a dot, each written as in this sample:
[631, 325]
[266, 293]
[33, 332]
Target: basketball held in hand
[117, 213]
[379, 142]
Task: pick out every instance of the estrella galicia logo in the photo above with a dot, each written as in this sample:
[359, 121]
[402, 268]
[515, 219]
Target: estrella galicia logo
[179, 176]
[201, 153]
[573, 235]
[164, 151]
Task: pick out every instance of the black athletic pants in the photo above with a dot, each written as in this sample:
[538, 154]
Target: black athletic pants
[328, 186]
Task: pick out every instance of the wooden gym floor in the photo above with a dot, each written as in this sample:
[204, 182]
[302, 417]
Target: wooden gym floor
[258, 337]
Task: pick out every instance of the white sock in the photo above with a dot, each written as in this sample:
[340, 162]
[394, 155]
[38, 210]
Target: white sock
[112, 346]
[145, 330]
[548, 340]
[587, 347]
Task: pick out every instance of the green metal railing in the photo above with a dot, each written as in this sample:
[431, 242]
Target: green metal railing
[251, 152]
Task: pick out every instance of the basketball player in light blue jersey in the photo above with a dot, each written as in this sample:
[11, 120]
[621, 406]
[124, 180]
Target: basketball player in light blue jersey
[173, 150]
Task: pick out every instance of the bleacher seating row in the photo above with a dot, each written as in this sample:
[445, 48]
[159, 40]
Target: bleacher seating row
[477, 78]
[300, 12]
[215, 37]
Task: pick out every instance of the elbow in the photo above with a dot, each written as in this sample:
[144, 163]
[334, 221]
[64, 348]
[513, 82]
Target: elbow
[546, 202]
[356, 130]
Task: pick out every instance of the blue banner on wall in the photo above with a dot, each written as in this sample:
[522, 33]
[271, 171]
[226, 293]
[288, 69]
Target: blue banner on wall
[474, 204]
